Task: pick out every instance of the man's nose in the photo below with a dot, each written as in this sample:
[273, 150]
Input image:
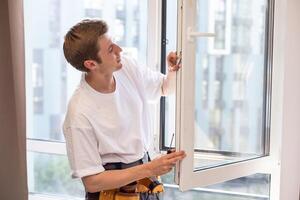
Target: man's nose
[119, 49]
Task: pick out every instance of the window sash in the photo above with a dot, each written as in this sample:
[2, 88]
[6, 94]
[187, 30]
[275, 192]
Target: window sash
[185, 176]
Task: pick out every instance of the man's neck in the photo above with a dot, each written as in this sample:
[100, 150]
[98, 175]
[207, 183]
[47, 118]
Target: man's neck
[104, 83]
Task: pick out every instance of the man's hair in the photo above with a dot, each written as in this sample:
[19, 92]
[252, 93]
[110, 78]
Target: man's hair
[81, 42]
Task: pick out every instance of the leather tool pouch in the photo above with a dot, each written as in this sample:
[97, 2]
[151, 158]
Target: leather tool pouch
[127, 196]
[127, 192]
[132, 191]
[117, 195]
[107, 195]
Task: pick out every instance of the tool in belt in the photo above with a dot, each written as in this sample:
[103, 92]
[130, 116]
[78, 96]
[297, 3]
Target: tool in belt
[145, 189]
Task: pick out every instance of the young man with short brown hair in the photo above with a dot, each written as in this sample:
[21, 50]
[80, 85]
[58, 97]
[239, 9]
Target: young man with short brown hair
[107, 122]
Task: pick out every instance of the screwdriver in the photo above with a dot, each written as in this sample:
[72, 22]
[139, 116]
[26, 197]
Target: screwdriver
[170, 149]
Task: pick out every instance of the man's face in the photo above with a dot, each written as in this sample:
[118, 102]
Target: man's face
[109, 54]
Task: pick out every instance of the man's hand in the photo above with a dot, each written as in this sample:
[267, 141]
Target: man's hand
[165, 163]
[110, 179]
[173, 62]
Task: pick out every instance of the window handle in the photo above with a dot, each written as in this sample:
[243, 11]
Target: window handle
[192, 34]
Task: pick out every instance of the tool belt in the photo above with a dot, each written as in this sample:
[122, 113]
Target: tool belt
[133, 191]
[137, 190]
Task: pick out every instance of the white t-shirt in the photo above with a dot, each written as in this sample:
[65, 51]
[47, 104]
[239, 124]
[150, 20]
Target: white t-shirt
[102, 128]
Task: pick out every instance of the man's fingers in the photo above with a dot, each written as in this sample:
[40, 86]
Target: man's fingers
[172, 61]
[177, 158]
[165, 163]
[172, 58]
[173, 68]
[174, 154]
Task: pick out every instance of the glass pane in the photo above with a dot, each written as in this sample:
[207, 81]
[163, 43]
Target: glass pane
[254, 187]
[50, 174]
[50, 81]
[230, 82]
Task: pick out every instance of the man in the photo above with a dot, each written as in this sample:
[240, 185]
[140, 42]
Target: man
[107, 121]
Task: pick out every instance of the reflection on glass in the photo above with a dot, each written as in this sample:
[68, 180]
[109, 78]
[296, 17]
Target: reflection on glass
[50, 81]
[229, 87]
[50, 174]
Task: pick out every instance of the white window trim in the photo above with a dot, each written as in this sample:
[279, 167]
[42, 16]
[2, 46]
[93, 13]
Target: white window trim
[44, 146]
[153, 62]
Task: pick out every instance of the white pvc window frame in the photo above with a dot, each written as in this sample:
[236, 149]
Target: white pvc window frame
[185, 175]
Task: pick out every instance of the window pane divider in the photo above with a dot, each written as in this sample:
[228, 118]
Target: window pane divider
[38, 196]
[44, 146]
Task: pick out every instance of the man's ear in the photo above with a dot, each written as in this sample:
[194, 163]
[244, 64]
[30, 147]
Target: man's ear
[90, 64]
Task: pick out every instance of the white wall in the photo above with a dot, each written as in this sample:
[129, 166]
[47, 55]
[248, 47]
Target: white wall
[290, 150]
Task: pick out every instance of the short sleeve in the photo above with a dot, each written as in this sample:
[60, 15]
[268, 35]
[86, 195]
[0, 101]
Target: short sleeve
[152, 80]
[82, 149]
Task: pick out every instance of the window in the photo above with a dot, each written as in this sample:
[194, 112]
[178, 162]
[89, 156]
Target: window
[222, 112]
[50, 80]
